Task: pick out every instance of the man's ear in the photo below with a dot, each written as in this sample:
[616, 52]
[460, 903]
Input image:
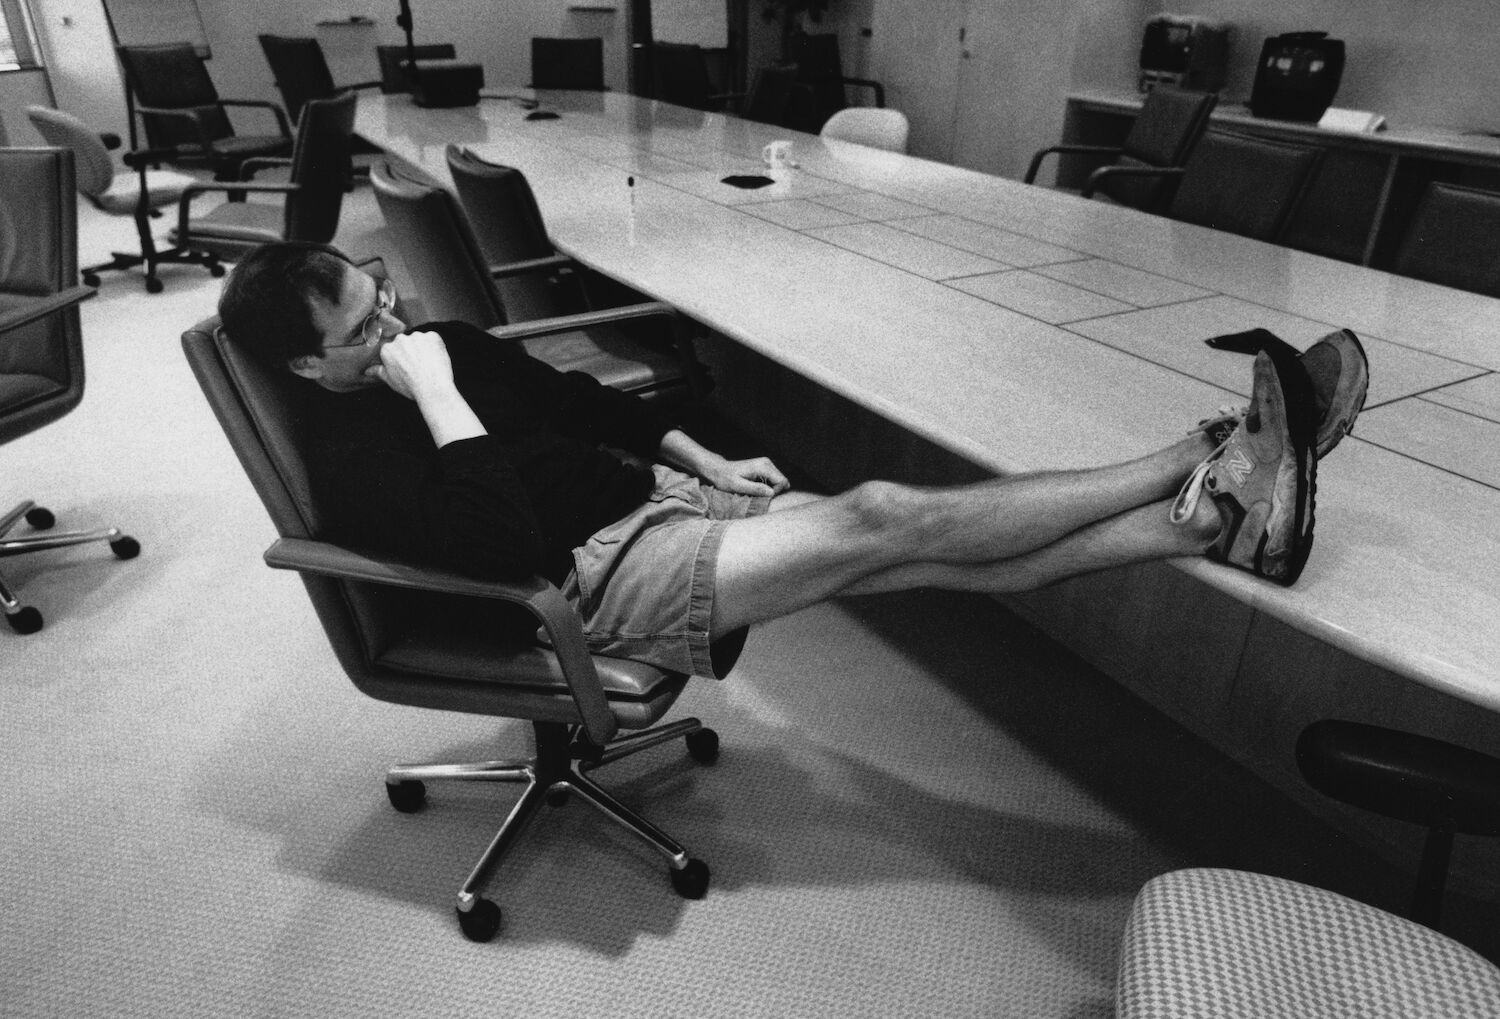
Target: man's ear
[307, 365]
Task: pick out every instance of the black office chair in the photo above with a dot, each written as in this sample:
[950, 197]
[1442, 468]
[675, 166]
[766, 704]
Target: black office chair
[301, 71]
[454, 281]
[567, 63]
[41, 340]
[1242, 185]
[186, 122]
[412, 635]
[682, 78]
[1163, 135]
[777, 97]
[137, 194]
[394, 75]
[320, 171]
[821, 69]
[1454, 239]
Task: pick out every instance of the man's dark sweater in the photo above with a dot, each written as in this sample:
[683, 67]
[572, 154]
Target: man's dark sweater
[514, 502]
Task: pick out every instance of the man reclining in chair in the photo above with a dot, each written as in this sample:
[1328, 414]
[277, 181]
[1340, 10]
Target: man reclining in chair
[447, 446]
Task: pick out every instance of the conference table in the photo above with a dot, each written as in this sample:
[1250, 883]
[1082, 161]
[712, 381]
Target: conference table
[1020, 329]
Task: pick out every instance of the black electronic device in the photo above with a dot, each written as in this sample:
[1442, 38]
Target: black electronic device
[1184, 50]
[1298, 76]
[438, 83]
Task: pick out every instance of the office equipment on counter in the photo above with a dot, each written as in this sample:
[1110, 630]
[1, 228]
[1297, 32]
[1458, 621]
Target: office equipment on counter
[1298, 76]
[1184, 50]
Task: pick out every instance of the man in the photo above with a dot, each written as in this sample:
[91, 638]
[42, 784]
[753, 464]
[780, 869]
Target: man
[448, 446]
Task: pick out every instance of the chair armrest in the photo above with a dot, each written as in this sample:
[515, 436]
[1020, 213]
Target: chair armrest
[42, 306]
[139, 159]
[531, 265]
[194, 190]
[1127, 171]
[542, 599]
[1036, 160]
[191, 116]
[354, 86]
[867, 83]
[281, 122]
[567, 323]
[250, 167]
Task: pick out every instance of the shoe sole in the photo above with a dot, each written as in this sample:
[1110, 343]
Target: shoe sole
[1348, 396]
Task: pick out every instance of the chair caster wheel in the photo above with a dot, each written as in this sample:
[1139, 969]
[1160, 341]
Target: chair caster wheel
[703, 746]
[27, 620]
[480, 923]
[557, 797]
[40, 518]
[91, 279]
[154, 285]
[216, 270]
[407, 796]
[125, 547]
[691, 882]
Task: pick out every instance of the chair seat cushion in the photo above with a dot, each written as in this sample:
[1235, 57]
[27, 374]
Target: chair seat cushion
[254, 222]
[163, 186]
[609, 356]
[1207, 942]
[245, 145]
[19, 389]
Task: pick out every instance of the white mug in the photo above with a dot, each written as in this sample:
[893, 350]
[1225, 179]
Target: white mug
[775, 154]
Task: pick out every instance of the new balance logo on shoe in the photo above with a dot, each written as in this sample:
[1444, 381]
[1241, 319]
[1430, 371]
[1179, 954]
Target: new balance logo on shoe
[1237, 465]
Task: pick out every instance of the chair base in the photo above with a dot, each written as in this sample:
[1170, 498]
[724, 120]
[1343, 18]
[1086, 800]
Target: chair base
[562, 759]
[25, 618]
[172, 256]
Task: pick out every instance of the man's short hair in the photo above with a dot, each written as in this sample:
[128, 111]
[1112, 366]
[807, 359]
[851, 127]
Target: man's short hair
[264, 305]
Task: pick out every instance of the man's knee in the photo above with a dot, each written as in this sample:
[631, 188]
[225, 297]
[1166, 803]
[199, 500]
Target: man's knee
[879, 507]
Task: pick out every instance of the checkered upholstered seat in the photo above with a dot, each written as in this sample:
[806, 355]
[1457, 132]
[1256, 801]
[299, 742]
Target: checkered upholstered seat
[1225, 944]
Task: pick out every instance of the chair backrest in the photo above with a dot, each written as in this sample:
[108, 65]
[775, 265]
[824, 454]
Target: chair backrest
[172, 76]
[507, 222]
[442, 257]
[322, 167]
[567, 63]
[681, 72]
[876, 126]
[394, 77]
[94, 169]
[41, 362]
[1242, 185]
[1170, 123]
[300, 69]
[1454, 239]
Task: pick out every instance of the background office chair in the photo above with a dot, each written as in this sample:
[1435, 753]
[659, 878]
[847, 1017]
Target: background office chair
[567, 63]
[681, 73]
[186, 121]
[314, 194]
[1454, 239]
[1163, 135]
[394, 77]
[777, 97]
[455, 282]
[878, 127]
[1242, 185]
[301, 71]
[1206, 942]
[134, 194]
[821, 69]
[428, 638]
[41, 342]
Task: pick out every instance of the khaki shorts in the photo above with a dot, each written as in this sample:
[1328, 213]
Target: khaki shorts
[644, 585]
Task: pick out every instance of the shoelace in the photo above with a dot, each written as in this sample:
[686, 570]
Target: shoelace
[1192, 489]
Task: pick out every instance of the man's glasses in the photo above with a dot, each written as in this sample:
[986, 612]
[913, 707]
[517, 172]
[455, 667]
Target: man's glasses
[371, 330]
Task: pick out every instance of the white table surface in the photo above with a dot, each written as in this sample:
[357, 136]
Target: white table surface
[1026, 329]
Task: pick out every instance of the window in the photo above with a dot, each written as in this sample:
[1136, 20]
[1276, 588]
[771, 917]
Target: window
[17, 40]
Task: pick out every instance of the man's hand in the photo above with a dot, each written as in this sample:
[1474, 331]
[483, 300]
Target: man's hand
[757, 476]
[416, 365]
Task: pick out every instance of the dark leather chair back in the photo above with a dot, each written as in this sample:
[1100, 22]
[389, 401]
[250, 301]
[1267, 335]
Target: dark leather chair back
[568, 63]
[1454, 239]
[779, 98]
[1170, 123]
[443, 259]
[681, 72]
[41, 360]
[393, 78]
[1242, 185]
[300, 69]
[172, 76]
[321, 165]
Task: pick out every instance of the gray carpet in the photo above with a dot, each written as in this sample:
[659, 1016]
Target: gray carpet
[920, 810]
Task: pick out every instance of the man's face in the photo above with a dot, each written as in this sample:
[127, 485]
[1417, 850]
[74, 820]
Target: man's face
[347, 354]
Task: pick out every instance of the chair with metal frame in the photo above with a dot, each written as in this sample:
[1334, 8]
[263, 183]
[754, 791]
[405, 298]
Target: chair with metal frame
[1454, 239]
[821, 69]
[1243, 185]
[41, 339]
[413, 635]
[1163, 135]
[314, 193]
[568, 63]
[301, 71]
[169, 88]
[681, 77]
[455, 281]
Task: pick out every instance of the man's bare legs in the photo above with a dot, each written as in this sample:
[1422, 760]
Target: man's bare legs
[1006, 535]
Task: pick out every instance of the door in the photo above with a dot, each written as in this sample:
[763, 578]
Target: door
[914, 53]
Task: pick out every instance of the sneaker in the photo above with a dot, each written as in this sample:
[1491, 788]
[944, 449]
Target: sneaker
[1336, 366]
[1263, 477]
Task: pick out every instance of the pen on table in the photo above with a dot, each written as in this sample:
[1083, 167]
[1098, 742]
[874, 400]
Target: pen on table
[630, 184]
